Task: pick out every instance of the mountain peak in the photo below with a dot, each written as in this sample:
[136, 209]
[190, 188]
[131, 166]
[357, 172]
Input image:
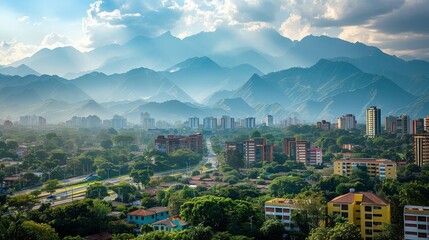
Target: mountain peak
[195, 62]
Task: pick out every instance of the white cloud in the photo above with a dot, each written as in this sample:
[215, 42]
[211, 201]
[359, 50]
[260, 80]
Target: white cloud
[23, 19]
[54, 40]
[14, 51]
[295, 27]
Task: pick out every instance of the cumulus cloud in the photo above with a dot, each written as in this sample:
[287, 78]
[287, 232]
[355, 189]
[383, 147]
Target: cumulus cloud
[13, 51]
[23, 19]
[54, 40]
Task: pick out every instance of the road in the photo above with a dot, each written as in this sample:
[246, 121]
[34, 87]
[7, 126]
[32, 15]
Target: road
[69, 194]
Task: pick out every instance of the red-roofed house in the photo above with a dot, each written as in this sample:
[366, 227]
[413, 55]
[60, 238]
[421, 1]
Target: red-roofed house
[147, 216]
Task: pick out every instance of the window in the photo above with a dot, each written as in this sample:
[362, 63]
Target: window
[410, 225]
[278, 210]
[377, 215]
[378, 208]
[368, 216]
[422, 235]
[368, 224]
[345, 215]
[269, 209]
[376, 223]
[422, 219]
[368, 231]
[410, 218]
[421, 226]
[336, 205]
[368, 208]
[344, 207]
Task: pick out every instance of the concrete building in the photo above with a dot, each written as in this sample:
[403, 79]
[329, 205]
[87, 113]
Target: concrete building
[92, 121]
[347, 122]
[32, 121]
[210, 123]
[227, 122]
[172, 143]
[254, 150]
[390, 124]
[289, 147]
[250, 122]
[366, 210]
[151, 215]
[324, 125]
[426, 125]
[269, 121]
[421, 149]
[403, 125]
[303, 151]
[418, 126]
[416, 222]
[315, 156]
[373, 122]
[193, 122]
[170, 224]
[146, 121]
[281, 209]
[119, 122]
[381, 168]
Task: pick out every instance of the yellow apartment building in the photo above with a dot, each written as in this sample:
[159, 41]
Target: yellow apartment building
[376, 167]
[366, 210]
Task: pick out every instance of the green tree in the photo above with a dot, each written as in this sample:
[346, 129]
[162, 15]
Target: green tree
[38, 231]
[234, 158]
[106, 144]
[124, 140]
[287, 185]
[319, 233]
[272, 229]
[141, 176]
[255, 134]
[23, 202]
[51, 185]
[345, 231]
[97, 190]
[390, 232]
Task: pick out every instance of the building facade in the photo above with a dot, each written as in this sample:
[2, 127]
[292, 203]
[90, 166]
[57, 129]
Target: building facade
[366, 210]
[250, 122]
[324, 125]
[141, 217]
[281, 209]
[381, 168]
[416, 222]
[227, 122]
[315, 156]
[421, 149]
[373, 122]
[210, 123]
[172, 143]
[269, 121]
[418, 126]
[347, 122]
[193, 123]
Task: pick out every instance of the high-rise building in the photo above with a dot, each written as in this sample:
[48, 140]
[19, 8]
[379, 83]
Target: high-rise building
[366, 210]
[324, 125]
[373, 122]
[347, 122]
[418, 126]
[426, 124]
[269, 121]
[193, 122]
[402, 125]
[254, 150]
[421, 149]
[32, 121]
[250, 122]
[210, 123]
[416, 222]
[390, 124]
[146, 121]
[315, 156]
[227, 122]
[289, 147]
[381, 168]
[119, 122]
[303, 151]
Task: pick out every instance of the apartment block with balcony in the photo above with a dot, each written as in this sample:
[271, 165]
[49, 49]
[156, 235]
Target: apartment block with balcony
[381, 168]
[416, 222]
[172, 143]
[281, 209]
[366, 210]
[254, 150]
[421, 149]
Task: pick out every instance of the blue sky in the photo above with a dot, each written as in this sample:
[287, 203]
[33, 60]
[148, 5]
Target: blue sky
[396, 26]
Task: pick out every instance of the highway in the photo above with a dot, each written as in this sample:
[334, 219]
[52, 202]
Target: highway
[71, 193]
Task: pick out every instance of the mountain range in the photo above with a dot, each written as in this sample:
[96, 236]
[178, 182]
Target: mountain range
[225, 72]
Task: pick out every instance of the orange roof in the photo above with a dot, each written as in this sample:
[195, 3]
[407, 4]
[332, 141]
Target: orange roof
[367, 199]
[148, 212]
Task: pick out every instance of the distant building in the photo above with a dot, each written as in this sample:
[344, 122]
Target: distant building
[416, 222]
[324, 125]
[373, 122]
[210, 123]
[403, 125]
[315, 156]
[367, 211]
[172, 143]
[119, 122]
[381, 168]
[390, 124]
[281, 209]
[254, 150]
[346, 122]
[227, 122]
[141, 217]
[426, 125]
[32, 121]
[418, 126]
[250, 122]
[146, 121]
[269, 121]
[193, 122]
[421, 149]
[92, 121]
[298, 150]
[289, 147]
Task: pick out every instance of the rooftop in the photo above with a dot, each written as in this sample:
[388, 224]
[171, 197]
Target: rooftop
[366, 198]
[148, 212]
[281, 202]
[423, 210]
[367, 160]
